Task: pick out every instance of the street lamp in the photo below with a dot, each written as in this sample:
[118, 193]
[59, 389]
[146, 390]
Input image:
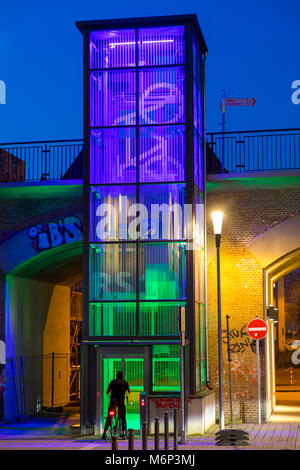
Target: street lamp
[217, 218]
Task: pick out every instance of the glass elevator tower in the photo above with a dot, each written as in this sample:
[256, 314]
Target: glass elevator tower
[144, 145]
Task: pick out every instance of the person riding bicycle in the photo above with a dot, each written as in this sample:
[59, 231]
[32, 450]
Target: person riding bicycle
[118, 389]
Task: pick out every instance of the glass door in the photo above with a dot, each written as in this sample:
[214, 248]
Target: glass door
[133, 370]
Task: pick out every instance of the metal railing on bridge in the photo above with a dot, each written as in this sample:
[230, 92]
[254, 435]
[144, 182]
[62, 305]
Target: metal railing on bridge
[263, 150]
[241, 151]
[39, 161]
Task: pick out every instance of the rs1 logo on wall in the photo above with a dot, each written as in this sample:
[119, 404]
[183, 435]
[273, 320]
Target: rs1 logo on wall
[55, 233]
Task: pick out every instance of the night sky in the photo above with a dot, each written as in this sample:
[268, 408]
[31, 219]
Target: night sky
[253, 51]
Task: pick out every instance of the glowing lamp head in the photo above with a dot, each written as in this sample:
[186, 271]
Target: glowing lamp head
[111, 413]
[217, 218]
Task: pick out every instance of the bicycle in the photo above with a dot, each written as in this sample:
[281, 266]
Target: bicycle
[115, 424]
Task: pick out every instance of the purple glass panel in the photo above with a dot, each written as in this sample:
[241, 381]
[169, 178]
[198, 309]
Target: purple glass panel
[161, 95]
[109, 212]
[109, 49]
[194, 56]
[165, 206]
[201, 163]
[196, 158]
[112, 98]
[198, 161]
[195, 103]
[161, 46]
[113, 156]
[162, 154]
[200, 113]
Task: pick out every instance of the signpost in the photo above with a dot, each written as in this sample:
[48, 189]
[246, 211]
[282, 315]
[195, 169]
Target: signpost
[239, 101]
[257, 329]
[231, 102]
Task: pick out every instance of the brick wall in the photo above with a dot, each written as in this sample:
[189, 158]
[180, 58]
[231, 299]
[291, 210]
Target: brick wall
[247, 214]
[19, 214]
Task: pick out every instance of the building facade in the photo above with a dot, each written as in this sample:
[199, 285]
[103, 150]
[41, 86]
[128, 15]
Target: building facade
[144, 186]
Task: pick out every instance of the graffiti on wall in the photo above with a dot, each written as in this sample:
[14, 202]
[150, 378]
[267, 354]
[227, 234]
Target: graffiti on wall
[242, 366]
[239, 339]
[55, 233]
[167, 403]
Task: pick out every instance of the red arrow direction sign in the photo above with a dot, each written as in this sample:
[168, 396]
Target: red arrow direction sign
[239, 101]
[257, 328]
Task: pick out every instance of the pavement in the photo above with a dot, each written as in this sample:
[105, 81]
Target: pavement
[53, 432]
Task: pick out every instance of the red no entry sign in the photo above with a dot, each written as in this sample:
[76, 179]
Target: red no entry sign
[257, 328]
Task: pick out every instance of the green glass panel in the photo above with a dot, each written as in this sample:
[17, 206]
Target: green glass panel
[162, 271]
[158, 318]
[203, 374]
[166, 368]
[200, 341]
[133, 370]
[134, 374]
[110, 369]
[112, 319]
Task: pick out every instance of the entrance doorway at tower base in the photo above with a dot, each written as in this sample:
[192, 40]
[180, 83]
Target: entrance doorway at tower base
[133, 371]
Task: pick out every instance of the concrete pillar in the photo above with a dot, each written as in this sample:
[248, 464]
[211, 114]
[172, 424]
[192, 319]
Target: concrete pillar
[281, 315]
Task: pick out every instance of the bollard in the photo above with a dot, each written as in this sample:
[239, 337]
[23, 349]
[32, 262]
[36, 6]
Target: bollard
[114, 443]
[145, 436]
[166, 431]
[131, 439]
[175, 430]
[156, 434]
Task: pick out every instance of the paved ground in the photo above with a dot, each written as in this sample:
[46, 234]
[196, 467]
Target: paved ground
[53, 432]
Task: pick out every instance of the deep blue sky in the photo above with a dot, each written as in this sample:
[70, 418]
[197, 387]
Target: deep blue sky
[253, 49]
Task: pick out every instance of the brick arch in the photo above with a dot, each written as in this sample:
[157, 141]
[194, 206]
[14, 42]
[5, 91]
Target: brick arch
[42, 240]
[278, 252]
[277, 242]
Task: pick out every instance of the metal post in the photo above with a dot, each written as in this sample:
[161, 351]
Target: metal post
[220, 360]
[258, 382]
[130, 439]
[145, 436]
[223, 131]
[229, 370]
[156, 434]
[175, 430]
[166, 431]
[114, 443]
[52, 384]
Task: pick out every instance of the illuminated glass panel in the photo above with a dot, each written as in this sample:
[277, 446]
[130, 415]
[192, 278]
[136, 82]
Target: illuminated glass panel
[112, 49]
[109, 212]
[162, 271]
[165, 206]
[158, 319]
[161, 95]
[162, 153]
[113, 156]
[166, 368]
[198, 161]
[200, 341]
[112, 319]
[112, 98]
[161, 46]
[112, 271]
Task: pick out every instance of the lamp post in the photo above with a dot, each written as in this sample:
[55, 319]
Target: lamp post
[217, 218]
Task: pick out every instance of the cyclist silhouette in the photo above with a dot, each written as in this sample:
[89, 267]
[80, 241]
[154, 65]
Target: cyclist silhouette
[117, 388]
